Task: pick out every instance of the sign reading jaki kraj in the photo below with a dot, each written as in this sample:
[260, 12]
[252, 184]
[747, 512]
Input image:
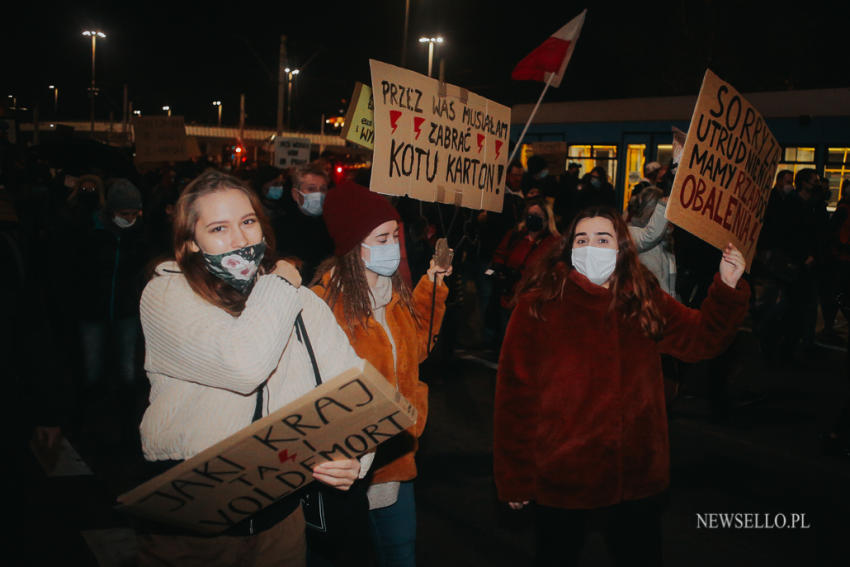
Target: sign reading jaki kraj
[273, 457]
[437, 142]
[727, 166]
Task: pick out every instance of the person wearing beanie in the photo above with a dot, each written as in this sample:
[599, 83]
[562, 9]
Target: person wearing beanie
[392, 327]
[109, 267]
[124, 202]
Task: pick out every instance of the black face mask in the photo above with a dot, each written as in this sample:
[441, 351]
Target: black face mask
[534, 223]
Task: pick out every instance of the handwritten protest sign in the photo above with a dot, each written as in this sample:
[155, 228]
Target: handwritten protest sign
[272, 458]
[727, 165]
[437, 142]
[159, 138]
[289, 152]
[359, 125]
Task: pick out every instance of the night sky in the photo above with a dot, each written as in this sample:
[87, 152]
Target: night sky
[186, 57]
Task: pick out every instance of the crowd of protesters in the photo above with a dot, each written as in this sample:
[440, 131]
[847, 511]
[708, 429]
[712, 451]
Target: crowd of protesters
[84, 242]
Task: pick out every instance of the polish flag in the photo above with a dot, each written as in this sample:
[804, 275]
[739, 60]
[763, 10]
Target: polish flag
[548, 62]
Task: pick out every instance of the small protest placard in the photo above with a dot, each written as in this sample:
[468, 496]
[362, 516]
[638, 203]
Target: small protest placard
[159, 139]
[437, 142]
[273, 457]
[727, 166]
[290, 152]
[359, 127]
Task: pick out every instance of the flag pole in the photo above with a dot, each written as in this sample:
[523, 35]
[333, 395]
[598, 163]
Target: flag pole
[530, 118]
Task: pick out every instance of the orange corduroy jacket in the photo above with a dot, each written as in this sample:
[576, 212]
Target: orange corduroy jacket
[394, 460]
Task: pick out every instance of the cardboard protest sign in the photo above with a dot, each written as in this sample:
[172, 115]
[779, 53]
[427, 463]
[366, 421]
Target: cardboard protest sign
[291, 151]
[159, 138]
[359, 125]
[728, 162]
[272, 458]
[437, 142]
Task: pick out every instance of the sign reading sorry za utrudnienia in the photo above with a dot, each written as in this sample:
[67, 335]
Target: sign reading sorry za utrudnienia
[273, 457]
[437, 142]
[728, 162]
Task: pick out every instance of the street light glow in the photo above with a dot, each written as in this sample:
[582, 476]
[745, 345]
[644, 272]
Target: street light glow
[51, 87]
[216, 103]
[431, 41]
[166, 108]
[137, 112]
[89, 33]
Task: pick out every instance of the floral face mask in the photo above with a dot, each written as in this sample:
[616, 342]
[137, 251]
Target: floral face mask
[238, 267]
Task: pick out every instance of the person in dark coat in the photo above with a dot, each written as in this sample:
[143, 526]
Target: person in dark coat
[580, 420]
[109, 278]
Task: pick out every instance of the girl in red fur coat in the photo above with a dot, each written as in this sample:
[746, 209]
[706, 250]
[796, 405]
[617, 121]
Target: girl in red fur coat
[580, 420]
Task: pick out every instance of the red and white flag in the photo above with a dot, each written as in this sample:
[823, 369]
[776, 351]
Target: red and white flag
[551, 58]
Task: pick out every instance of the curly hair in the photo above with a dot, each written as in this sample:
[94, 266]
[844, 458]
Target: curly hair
[633, 286]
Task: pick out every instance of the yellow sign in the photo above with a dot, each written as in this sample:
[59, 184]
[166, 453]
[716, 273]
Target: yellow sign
[359, 127]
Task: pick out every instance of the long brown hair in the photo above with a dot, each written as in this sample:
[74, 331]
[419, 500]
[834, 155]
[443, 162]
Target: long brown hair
[347, 282]
[186, 214]
[632, 285]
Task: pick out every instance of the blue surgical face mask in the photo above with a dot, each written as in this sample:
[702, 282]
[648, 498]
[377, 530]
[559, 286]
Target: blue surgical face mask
[313, 203]
[274, 193]
[383, 258]
[596, 182]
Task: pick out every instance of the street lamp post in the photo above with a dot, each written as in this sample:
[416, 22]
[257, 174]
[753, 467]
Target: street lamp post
[55, 90]
[167, 109]
[431, 41]
[94, 34]
[290, 73]
[218, 104]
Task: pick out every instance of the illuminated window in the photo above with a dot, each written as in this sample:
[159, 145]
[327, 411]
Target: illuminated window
[796, 159]
[836, 170]
[590, 156]
[664, 153]
[634, 169]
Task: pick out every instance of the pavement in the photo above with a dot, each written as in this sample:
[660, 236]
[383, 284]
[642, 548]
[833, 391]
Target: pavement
[764, 457]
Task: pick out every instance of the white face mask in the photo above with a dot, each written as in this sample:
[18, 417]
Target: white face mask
[596, 264]
[787, 188]
[121, 222]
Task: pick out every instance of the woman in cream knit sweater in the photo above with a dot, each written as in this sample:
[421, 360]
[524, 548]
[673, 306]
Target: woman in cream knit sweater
[221, 352]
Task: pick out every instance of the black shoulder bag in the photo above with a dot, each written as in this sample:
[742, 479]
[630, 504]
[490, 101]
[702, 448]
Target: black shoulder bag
[327, 510]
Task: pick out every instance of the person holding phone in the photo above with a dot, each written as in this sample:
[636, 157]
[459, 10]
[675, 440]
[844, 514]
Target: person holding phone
[388, 325]
[221, 352]
[580, 420]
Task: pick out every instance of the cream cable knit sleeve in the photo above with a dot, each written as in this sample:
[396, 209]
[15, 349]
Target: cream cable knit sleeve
[204, 365]
[191, 339]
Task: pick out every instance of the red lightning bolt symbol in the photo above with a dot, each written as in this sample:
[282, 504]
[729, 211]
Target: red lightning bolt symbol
[417, 125]
[394, 116]
[498, 147]
[480, 142]
[284, 456]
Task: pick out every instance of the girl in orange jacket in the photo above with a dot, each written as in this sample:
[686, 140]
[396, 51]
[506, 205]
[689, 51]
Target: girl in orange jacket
[391, 327]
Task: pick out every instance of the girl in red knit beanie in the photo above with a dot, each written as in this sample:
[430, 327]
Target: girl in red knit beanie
[388, 325]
